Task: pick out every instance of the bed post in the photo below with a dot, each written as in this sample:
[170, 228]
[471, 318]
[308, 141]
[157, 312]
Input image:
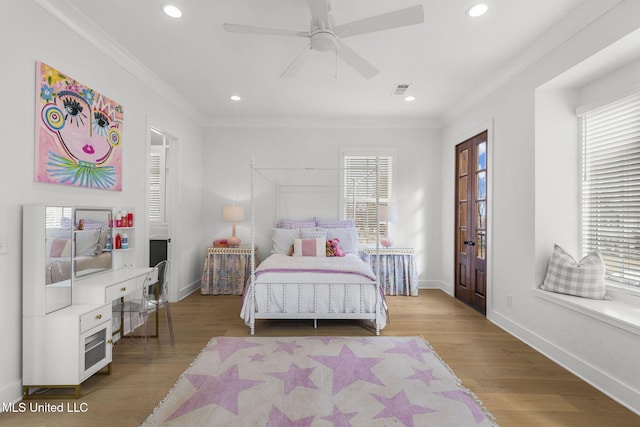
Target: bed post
[378, 297]
[252, 292]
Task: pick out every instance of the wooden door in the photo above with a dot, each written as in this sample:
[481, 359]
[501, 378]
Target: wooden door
[471, 222]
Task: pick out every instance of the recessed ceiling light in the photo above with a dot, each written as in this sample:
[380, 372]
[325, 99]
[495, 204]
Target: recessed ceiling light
[171, 10]
[410, 98]
[235, 98]
[477, 10]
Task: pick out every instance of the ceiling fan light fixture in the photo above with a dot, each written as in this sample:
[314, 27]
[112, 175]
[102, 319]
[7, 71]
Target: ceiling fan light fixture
[477, 10]
[171, 10]
[235, 97]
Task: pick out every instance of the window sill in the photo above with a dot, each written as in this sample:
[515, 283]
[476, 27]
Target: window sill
[618, 312]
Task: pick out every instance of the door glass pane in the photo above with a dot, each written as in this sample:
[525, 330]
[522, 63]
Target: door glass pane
[463, 214]
[462, 248]
[481, 244]
[482, 156]
[463, 162]
[481, 215]
[462, 188]
[481, 185]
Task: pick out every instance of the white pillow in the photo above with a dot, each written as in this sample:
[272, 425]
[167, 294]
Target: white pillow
[348, 238]
[310, 247]
[313, 233]
[583, 279]
[87, 242]
[283, 239]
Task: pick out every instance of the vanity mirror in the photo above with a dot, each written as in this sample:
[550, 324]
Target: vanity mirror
[92, 234]
[57, 266]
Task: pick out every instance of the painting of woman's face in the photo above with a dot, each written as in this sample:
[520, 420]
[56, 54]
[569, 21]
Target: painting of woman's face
[84, 134]
[79, 135]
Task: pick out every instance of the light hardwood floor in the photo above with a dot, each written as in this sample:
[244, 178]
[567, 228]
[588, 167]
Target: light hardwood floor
[519, 386]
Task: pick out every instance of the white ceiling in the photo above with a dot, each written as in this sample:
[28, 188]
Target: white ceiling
[447, 59]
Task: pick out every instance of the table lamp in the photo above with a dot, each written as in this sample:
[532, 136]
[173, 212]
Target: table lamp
[387, 214]
[233, 214]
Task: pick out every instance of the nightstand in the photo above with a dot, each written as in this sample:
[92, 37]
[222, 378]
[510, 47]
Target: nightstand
[226, 270]
[398, 271]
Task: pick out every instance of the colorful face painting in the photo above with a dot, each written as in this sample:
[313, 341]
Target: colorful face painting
[78, 133]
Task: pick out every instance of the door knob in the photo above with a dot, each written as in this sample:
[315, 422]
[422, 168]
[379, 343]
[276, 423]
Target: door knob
[469, 243]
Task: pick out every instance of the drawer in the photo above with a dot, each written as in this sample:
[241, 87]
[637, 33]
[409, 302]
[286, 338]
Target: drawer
[121, 289]
[95, 317]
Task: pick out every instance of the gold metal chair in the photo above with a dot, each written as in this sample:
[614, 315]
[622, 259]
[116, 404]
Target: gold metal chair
[154, 297]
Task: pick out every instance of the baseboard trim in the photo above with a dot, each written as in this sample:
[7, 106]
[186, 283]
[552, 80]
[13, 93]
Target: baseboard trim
[10, 395]
[188, 290]
[618, 391]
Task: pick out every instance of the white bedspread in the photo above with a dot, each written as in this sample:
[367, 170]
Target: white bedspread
[327, 286]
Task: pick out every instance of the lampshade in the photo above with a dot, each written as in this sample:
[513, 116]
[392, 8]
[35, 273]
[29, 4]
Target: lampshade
[387, 214]
[233, 213]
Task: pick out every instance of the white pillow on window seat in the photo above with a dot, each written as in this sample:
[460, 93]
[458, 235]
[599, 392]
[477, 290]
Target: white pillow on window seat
[583, 279]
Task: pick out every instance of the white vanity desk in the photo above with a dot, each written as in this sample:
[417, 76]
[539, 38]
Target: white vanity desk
[68, 286]
[111, 286]
[106, 287]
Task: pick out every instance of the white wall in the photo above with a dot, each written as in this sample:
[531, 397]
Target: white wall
[416, 190]
[29, 34]
[530, 214]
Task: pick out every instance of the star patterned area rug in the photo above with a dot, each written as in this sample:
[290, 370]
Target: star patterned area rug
[319, 381]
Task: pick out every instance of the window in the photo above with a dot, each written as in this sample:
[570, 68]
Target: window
[157, 177]
[611, 187]
[359, 191]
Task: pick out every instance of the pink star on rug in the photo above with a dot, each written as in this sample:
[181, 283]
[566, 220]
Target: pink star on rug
[465, 399]
[226, 346]
[410, 348]
[325, 340]
[349, 368]
[222, 390]
[340, 419]
[399, 407]
[277, 418]
[289, 347]
[424, 376]
[366, 341]
[295, 377]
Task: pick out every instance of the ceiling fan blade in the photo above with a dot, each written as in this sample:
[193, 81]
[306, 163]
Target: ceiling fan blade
[295, 65]
[356, 61]
[398, 18]
[249, 29]
[319, 13]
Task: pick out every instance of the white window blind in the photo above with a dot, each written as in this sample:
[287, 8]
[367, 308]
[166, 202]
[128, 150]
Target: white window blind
[360, 192]
[611, 187]
[157, 184]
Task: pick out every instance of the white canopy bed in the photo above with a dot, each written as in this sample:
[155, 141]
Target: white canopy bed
[304, 277]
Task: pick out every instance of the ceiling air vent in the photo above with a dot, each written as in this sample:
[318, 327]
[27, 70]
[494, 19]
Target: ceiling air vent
[400, 88]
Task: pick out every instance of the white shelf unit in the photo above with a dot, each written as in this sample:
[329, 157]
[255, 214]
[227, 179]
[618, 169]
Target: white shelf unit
[123, 257]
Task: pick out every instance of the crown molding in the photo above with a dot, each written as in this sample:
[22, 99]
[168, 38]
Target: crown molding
[78, 22]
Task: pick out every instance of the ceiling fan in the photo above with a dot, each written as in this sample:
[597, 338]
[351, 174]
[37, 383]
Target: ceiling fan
[324, 36]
